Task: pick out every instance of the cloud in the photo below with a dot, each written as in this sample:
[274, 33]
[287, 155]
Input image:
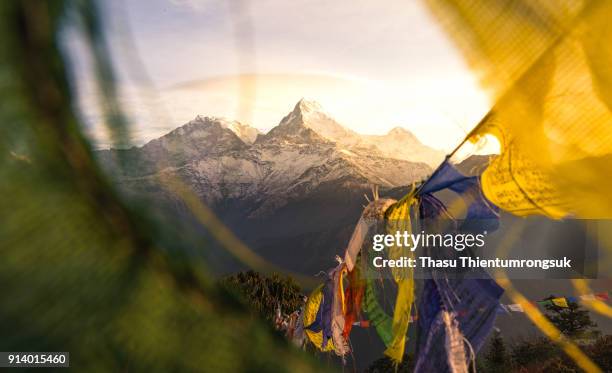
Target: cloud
[197, 5]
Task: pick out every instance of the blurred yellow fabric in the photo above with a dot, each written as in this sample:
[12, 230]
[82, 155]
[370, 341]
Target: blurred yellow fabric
[548, 65]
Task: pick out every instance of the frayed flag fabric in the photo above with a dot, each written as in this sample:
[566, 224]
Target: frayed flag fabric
[450, 307]
[502, 309]
[353, 300]
[477, 297]
[354, 246]
[515, 307]
[341, 346]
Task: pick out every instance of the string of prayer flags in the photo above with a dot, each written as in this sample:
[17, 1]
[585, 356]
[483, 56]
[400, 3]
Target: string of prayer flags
[548, 68]
[562, 302]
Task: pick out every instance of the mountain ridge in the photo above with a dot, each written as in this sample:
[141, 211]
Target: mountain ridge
[290, 185]
[293, 158]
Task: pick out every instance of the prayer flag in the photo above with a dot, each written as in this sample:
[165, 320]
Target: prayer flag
[481, 296]
[560, 302]
[312, 320]
[515, 307]
[398, 219]
[548, 68]
[481, 214]
[601, 296]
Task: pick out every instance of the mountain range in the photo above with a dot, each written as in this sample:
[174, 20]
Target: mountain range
[292, 194]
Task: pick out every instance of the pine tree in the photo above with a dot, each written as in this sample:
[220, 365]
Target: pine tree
[573, 321]
[264, 294]
[385, 364]
[497, 358]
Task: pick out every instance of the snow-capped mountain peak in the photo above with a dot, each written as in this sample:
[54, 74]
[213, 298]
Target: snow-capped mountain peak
[310, 114]
[400, 131]
[306, 106]
[296, 126]
[245, 132]
[304, 111]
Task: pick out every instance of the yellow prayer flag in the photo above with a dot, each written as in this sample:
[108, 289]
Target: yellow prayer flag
[310, 314]
[398, 219]
[560, 302]
[549, 67]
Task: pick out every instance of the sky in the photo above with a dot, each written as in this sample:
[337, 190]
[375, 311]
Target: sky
[371, 65]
